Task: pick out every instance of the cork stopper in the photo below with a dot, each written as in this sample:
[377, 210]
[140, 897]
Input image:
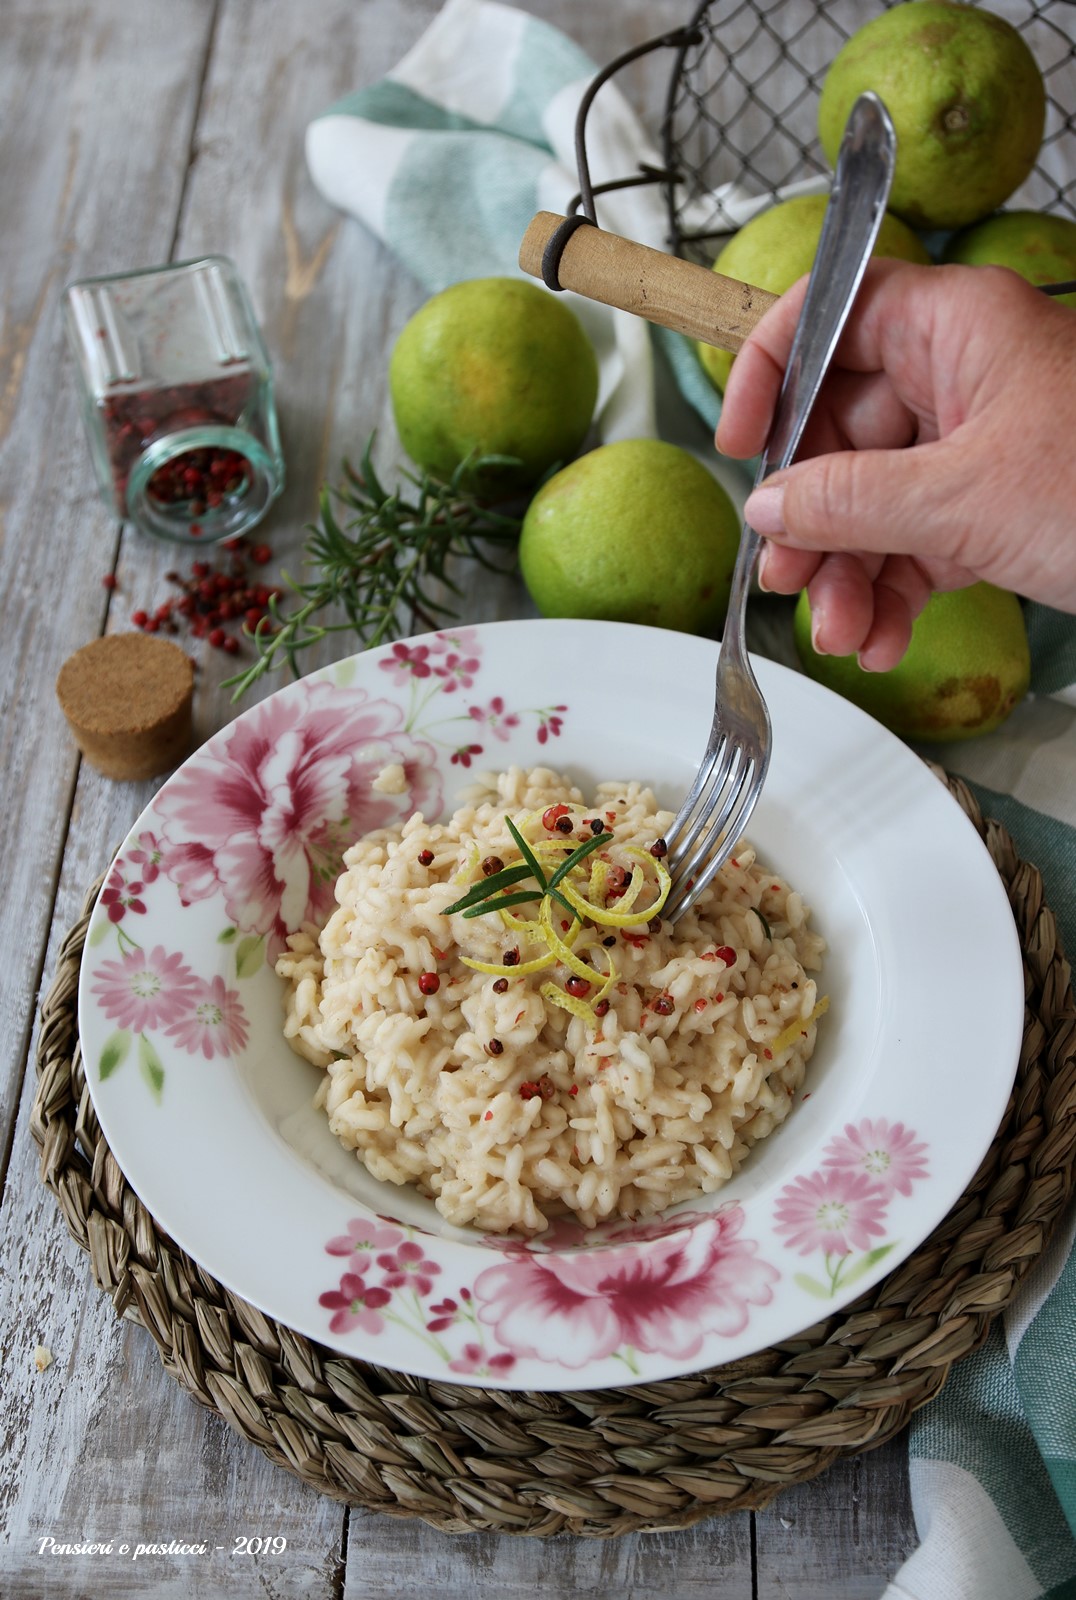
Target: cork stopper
[127, 699]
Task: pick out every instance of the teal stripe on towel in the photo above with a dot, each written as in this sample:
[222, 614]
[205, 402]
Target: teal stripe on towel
[393, 105]
[459, 206]
[1052, 637]
[1049, 845]
[977, 1422]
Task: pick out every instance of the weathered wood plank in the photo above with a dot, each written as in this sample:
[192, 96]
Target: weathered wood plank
[97, 110]
[845, 1533]
[692, 1564]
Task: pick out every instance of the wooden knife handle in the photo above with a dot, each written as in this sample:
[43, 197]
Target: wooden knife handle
[662, 288]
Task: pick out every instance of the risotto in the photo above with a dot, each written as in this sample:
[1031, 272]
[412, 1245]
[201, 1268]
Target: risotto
[534, 1060]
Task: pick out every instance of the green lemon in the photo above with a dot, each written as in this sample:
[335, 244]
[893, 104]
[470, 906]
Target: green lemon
[636, 531]
[967, 667]
[778, 246]
[493, 366]
[967, 102]
[1039, 247]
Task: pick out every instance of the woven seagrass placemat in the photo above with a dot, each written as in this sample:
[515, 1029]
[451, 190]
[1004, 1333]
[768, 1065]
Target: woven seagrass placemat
[608, 1461]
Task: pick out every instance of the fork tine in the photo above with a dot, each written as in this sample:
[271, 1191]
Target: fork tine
[693, 875]
[715, 775]
[719, 812]
[714, 747]
[714, 821]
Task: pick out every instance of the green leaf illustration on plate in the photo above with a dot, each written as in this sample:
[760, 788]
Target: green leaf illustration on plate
[867, 1262]
[99, 932]
[149, 1064]
[228, 936]
[812, 1285]
[250, 956]
[115, 1050]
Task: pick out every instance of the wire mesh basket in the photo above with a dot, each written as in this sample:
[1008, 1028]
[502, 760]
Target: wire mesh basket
[740, 120]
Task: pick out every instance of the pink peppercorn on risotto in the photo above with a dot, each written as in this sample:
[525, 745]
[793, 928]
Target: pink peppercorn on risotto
[506, 1022]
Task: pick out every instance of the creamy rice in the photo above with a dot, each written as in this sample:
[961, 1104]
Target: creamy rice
[646, 1106]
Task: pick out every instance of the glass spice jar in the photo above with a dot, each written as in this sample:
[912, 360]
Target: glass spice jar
[177, 397]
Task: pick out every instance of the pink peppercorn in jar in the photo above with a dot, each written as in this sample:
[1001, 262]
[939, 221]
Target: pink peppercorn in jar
[177, 397]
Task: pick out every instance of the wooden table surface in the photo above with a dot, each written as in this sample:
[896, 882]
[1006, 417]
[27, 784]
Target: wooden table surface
[131, 135]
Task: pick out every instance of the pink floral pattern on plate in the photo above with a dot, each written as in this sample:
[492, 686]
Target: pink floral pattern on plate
[841, 1208]
[259, 822]
[266, 815]
[660, 1289]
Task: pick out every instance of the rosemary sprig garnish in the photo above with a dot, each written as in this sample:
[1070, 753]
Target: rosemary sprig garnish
[377, 559]
[486, 895]
[492, 885]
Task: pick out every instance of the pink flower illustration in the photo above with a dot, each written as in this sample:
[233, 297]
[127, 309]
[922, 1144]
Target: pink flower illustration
[662, 1297]
[495, 717]
[474, 1359]
[836, 1211]
[886, 1153]
[408, 1267]
[549, 723]
[362, 1238]
[565, 1233]
[215, 1022]
[456, 641]
[444, 1315]
[266, 812]
[406, 662]
[355, 1305]
[462, 754]
[120, 896]
[141, 992]
[458, 671]
[147, 857]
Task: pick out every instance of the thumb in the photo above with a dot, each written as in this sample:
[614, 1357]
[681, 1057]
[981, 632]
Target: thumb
[893, 502]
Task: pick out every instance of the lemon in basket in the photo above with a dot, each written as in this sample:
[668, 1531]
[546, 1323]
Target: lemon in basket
[778, 246]
[967, 102]
[1040, 247]
[636, 531]
[967, 667]
[493, 366]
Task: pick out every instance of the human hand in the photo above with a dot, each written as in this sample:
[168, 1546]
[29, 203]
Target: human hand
[941, 451]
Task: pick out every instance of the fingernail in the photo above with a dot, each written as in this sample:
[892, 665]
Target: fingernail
[817, 619]
[763, 563]
[765, 510]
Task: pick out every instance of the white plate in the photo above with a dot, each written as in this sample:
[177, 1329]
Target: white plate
[209, 1112]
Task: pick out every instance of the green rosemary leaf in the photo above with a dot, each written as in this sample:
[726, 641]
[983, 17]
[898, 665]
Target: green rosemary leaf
[487, 888]
[528, 854]
[366, 478]
[375, 553]
[555, 894]
[765, 924]
[587, 848]
[502, 902]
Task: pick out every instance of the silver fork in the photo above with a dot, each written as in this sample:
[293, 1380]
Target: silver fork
[737, 754]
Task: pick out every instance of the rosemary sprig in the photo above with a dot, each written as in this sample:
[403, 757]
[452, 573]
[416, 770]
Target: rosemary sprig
[377, 559]
[486, 896]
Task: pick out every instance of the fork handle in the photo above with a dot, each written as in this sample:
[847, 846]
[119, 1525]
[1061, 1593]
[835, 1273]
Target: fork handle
[849, 231]
[675, 294]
